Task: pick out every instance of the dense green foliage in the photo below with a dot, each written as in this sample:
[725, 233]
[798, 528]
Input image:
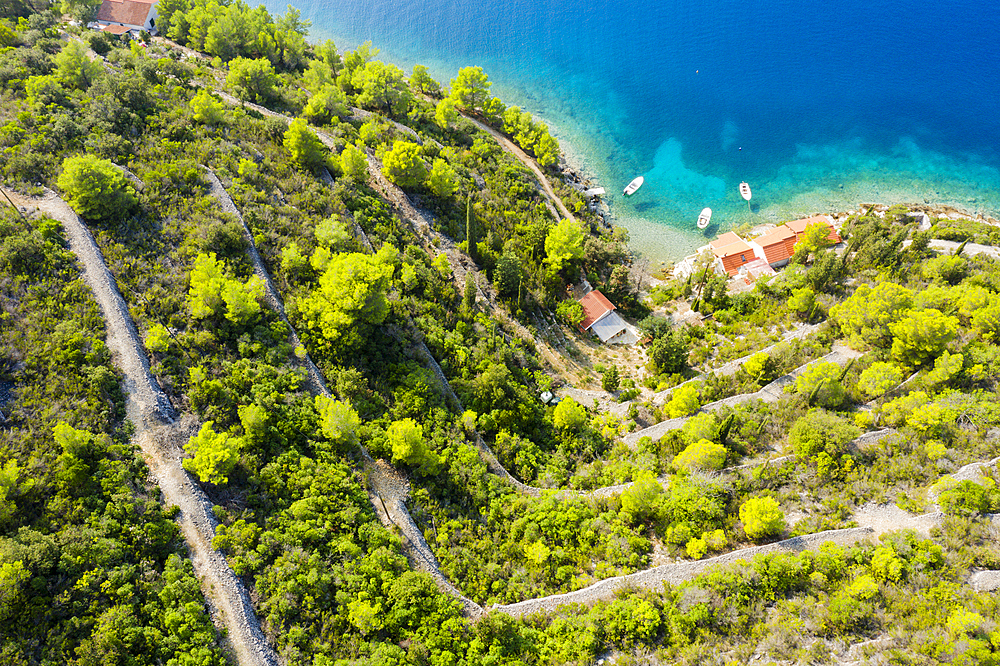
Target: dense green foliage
[95, 188]
[91, 566]
[91, 569]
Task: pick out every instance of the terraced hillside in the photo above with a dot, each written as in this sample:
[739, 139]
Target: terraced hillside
[276, 320]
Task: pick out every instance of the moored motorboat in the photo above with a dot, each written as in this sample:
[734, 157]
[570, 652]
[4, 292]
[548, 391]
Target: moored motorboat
[745, 191]
[704, 218]
[634, 185]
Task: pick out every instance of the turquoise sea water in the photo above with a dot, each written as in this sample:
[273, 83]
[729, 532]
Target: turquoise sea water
[819, 108]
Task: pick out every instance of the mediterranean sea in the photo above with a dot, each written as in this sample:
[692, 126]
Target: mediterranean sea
[820, 107]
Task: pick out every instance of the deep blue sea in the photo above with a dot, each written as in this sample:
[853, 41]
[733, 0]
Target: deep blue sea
[820, 107]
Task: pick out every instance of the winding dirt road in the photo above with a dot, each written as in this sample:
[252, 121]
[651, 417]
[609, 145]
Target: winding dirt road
[517, 152]
[392, 492]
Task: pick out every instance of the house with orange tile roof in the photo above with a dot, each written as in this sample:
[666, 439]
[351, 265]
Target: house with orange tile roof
[599, 317]
[776, 246]
[799, 227]
[120, 16]
[731, 252]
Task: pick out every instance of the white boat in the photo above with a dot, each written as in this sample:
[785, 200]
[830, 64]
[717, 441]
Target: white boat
[704, 218]
[634, 185]
[745, 191]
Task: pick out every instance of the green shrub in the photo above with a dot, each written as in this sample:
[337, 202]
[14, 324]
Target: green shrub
[761, 518]
[570, 311]
[970, 498]
[702, 455]
[157, 338]
[819, 431]
[569, 415]
[878, 378]
[820, 385]
[641, 499]
[214, 455]
[96, 188]
[683, 401]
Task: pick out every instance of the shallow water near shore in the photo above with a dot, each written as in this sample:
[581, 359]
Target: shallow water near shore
[818, 111]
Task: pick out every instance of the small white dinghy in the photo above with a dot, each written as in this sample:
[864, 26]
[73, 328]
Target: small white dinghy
[746, 194]
[704, 218]
[634, 185]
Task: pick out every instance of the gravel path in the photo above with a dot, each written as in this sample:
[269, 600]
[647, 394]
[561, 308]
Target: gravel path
[974, 471]
[392, 491]
[461, 265]
[422, 222]
[985, 581]
[516, 151]
[889, 517]
[146, 402]
[873, 520]
[271, 295]
[863, 440]
[676, 573]
[608, 403]
[160, 436]
[729, 368]
[970, 249]
[772, 392]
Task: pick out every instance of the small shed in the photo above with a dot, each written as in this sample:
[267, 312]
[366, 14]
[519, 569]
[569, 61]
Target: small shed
[755, 270]
[115, 29]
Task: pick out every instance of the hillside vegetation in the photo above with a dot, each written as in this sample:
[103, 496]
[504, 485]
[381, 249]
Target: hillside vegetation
[411, 256]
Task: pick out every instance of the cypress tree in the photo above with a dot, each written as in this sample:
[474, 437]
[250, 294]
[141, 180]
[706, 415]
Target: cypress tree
[470, 237]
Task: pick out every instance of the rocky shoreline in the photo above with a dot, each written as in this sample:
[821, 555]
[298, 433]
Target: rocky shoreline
[574, 174]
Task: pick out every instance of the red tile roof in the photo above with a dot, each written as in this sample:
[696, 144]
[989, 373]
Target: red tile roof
[778, 244]
[128, 12]
[725, 239]
[799, 226]
[732, 251]
[115, 29]
[595, 305]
